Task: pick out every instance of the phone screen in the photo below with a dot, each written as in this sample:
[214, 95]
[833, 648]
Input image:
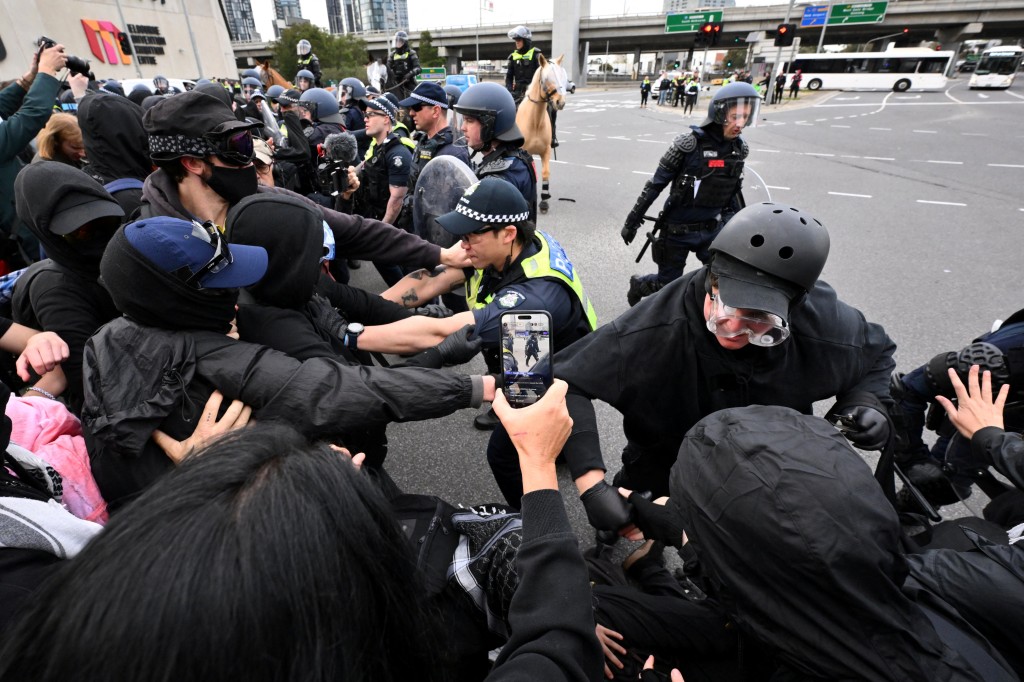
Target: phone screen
[527, 371]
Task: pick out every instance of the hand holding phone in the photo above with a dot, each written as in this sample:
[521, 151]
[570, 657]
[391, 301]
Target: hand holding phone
[526, 344]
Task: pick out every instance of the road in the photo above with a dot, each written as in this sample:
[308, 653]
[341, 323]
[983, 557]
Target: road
[920, 192]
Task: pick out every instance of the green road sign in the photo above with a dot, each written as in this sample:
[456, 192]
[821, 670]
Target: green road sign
[689, 23]
[432, 73]
[858, 13]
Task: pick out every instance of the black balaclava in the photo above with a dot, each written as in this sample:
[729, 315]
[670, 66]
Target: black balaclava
[292, 233]
[233, 184]
[116, 144]
[155, 298]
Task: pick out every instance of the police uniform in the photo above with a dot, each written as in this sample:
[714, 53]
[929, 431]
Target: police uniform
[403, 67]
[514, 164]
[705, 172]
[383, 165]
[521, 67]
[311, 64]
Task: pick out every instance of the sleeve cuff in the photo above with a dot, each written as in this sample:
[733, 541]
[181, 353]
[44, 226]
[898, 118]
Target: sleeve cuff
[983, 441]
[476, 395]
[544, 514]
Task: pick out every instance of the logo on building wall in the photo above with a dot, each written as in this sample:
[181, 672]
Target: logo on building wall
[108, 43]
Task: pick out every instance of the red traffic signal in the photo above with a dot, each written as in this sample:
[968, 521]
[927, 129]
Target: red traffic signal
[706, 28]
[784, 35]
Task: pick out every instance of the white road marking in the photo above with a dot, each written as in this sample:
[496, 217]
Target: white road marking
[982, 96]
[821, 119]
[932, 132]
[849, 156]
[847, 99]
[803, 123]
[619, 137]
[643, 173]
[940, 203]
[588, 139]
[835, 125]
[1014, 94]
[880, 158]
[769, 151]
[879, 128]
[557, 161]
[1006, 165]
[779, 187]
[846, 194]
[838, 117]
[597, 167]
[909, 97]
[817, 154]
[946, 93]
[976, 134]
[951, 163]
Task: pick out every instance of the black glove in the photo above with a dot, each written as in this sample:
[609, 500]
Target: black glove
[656, 521]
[437, 310]
[629, 229]
[325, 318]
[869, 430]
[606, 509]
[458, 348]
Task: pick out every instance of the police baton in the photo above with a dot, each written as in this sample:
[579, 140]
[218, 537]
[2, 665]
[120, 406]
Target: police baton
[650, 238]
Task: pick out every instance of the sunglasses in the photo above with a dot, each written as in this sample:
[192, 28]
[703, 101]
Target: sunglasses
[207, 232]
[372, 114]
[233, 148]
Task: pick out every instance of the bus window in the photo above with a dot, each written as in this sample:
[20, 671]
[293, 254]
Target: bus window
[907, 66]
[933, 65]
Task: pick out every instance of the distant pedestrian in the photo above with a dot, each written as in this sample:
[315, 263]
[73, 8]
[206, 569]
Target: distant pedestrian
[794, 84]
[692, 90]
[780, 88]
[664, 88]
[645, 91]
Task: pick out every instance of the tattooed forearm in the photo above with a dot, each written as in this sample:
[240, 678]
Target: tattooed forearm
[410, 298]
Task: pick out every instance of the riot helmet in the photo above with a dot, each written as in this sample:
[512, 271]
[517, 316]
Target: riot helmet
[521, 33]
[730, 96]
[401, 39]
[454, 93]
[351, 89]
[249, 86]
[273, 91]
[767, 257]
[494, 107]
[322, 105]
[251, 73]
[303, 48]
[305, 79]
[161, 84]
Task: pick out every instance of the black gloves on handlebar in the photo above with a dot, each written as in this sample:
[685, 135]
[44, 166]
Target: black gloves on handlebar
[606, 509]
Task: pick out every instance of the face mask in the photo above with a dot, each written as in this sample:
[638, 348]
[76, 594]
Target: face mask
[233, 184]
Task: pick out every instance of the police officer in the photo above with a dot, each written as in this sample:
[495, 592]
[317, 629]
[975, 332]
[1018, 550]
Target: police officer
[522, 63]
[322, 108]
[755, 326]
[384, 175]
[514, 267]
[403, 66]
[353, 93]
[401, 127]
[489, 126]
[705, 170]
[308, 62]
[161, 86]
[305, 80]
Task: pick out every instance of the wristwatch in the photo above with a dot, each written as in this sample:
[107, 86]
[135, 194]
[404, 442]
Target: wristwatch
[351, 338]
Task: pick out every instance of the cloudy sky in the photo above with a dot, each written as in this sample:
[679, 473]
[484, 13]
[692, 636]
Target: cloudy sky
[425, 14]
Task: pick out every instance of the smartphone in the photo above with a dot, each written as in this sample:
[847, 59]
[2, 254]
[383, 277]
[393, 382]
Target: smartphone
[846, 423]
[527, 371]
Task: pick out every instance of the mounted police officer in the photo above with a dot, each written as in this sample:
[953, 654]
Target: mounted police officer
[305, 80]
[705, 170]
[308, 62]
[489, 126]
[403, 66]
[522, 63]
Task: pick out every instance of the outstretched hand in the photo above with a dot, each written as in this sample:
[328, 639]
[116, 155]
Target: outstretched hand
[611, 648]
[209, 427]
[538, 433]
[975, 408]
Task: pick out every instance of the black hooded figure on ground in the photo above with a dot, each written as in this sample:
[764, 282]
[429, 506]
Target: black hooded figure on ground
[73, 218]
[117, 147]
[797, 540]
[177, 283]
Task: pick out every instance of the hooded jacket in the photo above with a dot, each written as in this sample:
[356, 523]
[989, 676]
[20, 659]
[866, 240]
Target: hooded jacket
[804, 550]
[116, 144]
[354, 236]
[62, 294]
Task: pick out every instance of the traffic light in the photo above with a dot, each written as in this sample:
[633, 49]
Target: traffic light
[704, 33]
[784, 35]
[728, 63]
[675, 64]
[122, 40]
[716, 33]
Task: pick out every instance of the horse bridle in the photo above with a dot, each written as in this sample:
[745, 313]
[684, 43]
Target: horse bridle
[548, 93]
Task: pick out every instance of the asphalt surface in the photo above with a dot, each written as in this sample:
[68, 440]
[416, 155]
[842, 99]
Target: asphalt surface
[920, 193]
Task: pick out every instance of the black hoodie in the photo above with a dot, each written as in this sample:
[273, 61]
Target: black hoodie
[116, 144]
[62, 294]
[798, 538]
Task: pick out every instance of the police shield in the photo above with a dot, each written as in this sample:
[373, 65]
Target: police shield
[439, 187]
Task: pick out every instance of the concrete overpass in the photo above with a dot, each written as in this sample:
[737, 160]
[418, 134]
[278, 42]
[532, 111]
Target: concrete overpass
[947, 21]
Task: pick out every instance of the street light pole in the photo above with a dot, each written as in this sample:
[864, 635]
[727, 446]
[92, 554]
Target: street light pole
[778, 53]
[890, 35]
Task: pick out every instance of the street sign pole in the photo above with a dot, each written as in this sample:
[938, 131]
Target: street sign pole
[778, 52]
[821, 39]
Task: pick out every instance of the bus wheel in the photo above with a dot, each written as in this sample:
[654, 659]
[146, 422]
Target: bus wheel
[902, 85]
[815, 84]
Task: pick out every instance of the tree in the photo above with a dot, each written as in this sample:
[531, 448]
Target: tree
[340, 56]
[738, 57]
[427, 52]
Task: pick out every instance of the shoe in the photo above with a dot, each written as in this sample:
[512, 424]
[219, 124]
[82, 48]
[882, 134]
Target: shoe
[640, 286]
[929, 478]
[554, 142]
[486, 421]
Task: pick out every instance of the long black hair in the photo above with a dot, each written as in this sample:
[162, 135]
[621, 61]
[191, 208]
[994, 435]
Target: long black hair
[261, 558]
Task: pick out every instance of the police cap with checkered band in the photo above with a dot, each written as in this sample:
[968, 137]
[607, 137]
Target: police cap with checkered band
[490, 204]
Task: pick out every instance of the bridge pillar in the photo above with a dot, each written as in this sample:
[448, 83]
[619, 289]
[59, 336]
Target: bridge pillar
[565, 37]
[452, 58]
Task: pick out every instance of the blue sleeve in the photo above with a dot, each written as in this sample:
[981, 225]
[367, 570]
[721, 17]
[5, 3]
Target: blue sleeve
[520, 176]
[533, 295]
[399, 162]
[460, 153]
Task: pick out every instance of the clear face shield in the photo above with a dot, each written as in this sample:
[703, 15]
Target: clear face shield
[763, 329]
[741, 112]
[455, 123]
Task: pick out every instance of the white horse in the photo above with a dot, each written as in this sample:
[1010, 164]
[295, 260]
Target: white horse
[547, 88]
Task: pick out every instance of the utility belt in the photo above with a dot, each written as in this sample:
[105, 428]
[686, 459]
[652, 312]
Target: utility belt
[675, 229]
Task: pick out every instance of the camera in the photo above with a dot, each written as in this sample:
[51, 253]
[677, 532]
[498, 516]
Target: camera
[76, 65]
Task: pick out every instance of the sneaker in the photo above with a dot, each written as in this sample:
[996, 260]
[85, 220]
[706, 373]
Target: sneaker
[486, 421]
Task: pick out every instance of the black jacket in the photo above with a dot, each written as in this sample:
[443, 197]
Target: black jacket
[803, 549]
[116, 143]
[663, 370]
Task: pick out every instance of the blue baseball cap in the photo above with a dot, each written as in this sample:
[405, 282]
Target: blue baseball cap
[431, 94]
[196, 253]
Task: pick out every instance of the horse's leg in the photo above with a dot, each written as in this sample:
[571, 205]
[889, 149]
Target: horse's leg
[545, 161]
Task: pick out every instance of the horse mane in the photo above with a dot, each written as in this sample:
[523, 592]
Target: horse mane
[533, 91]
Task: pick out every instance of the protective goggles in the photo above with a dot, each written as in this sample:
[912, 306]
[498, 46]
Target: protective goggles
[233, 147]
[763, 329]
[329, 244]
[208, 232]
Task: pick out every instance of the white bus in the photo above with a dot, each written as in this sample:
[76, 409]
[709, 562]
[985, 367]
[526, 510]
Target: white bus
[997, 67]
[899, 69]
